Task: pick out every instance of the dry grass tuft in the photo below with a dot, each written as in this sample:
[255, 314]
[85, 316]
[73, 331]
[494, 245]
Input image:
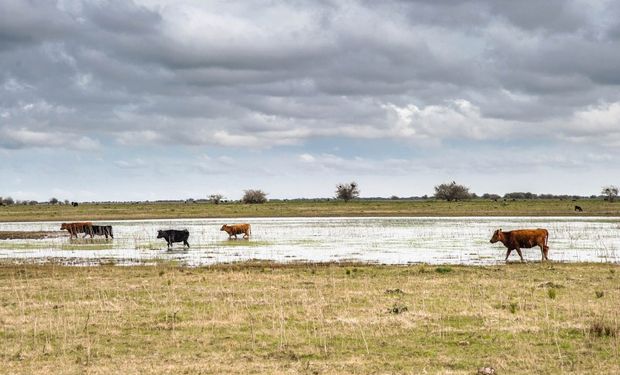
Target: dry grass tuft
[603, 329]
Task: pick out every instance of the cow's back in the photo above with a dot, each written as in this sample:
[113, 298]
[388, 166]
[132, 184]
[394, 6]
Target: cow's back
[79, 226]
[241, 228]
[177, 235]
[526, 238]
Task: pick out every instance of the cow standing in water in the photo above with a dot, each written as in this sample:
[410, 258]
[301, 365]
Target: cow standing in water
[235, 229]
[523, 238]
[171, 236]
[85, 227]
[103, 230]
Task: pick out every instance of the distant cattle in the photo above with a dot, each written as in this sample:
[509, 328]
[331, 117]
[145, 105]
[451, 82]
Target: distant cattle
[235, 229]
[103, 230]
[578, 209]
[75, 228]
[172, 236]
[523, 238]
[74, 204]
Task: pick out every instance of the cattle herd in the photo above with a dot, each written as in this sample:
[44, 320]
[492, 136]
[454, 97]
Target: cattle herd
[171, 235]
[513, 240]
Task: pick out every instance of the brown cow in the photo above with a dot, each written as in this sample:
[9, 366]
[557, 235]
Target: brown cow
[523, 238]
[235, 229]
[75, 228]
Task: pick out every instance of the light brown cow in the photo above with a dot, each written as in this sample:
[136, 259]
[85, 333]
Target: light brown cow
[235, 229]
[75, 228]
[523, 238]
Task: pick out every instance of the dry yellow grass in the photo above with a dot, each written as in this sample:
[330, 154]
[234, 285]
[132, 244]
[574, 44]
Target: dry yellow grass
[312, 319]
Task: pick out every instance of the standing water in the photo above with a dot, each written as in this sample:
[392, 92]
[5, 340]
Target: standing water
[436, 240]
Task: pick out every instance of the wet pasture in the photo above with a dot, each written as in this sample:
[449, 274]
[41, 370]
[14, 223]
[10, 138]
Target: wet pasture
[437, 240]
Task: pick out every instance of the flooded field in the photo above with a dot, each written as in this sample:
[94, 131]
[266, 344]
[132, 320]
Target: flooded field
[448, 240]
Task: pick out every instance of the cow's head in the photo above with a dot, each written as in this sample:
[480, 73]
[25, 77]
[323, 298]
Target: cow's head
[63, 226]
[497, 236]
[224, 227]
[160, 234]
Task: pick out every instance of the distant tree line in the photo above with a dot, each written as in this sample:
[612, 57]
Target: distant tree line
[348, 191]
[528, 195]
[454, 192]
[8, 201]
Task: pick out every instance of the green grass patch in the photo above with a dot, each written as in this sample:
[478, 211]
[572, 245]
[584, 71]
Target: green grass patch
[430, 207]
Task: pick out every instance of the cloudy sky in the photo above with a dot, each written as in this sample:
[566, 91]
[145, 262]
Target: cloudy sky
[163, 99]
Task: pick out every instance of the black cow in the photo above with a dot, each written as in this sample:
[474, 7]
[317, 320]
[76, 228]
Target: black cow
[578, 209]
[75, 204]
[103, 230]
[172, 236]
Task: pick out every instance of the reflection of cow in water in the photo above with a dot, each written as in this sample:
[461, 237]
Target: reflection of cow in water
[523, 238]
[103, 230]
[578, 209]
[75, 228]
[235, 229]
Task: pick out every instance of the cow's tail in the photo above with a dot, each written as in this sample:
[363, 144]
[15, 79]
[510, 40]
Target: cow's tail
[546, 239]
[249, 230]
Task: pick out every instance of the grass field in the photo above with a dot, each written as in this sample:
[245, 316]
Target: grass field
[480, 207]
[310, 319]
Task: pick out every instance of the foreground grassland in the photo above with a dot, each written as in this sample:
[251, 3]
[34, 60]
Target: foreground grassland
[117, 211]
[310, 319]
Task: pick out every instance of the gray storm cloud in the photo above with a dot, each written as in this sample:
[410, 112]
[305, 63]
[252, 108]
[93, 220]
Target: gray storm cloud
[263, 74]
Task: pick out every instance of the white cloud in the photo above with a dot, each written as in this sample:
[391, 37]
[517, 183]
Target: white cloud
[131, 164]
[25, 138]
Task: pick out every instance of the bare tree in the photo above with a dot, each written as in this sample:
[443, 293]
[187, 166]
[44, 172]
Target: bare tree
[253, 196]
[346, 192]
[216, 198]
[610, 192]
[451, 192]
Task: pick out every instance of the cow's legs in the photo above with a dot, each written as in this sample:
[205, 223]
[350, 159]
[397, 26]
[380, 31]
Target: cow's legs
[508, 254]
[246, 235]
[545, 252]
[520, 255]
[185, 243]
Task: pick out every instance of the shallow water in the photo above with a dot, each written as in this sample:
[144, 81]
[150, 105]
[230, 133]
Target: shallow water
[437, 240]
